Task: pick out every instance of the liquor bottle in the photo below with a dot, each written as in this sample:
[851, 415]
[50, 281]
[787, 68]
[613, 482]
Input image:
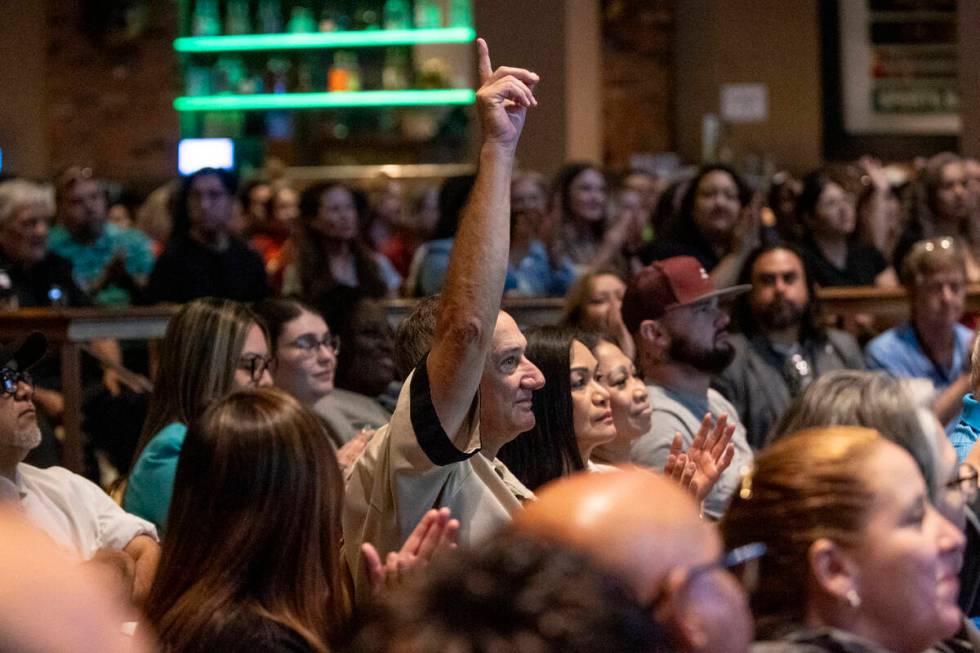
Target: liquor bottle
[270, 16]
[397, 14]
[366, 18]
[237, 20]
[428, 14]
[206, 20]
[460, 13]
[300, 21]
[394, 73]
[338, 77]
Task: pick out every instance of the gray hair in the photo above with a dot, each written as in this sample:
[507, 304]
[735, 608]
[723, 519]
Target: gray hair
[15, 194]
[891, 406]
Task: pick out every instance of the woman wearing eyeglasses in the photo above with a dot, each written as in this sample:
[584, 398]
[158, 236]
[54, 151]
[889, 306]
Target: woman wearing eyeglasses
[212, 346]
[857, 558]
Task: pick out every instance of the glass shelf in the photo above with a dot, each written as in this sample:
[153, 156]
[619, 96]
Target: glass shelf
[320, 40]
[428, 97]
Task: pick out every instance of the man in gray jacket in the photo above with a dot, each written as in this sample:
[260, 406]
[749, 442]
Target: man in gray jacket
[783, 346]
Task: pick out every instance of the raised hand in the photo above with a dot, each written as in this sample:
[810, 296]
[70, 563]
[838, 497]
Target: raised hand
[435, 532]
[504, 96]
[679, 468]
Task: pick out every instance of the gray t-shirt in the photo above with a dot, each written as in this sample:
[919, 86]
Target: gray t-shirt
[674, 412]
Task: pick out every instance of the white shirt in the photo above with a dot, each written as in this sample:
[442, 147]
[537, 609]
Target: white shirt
[73, 511]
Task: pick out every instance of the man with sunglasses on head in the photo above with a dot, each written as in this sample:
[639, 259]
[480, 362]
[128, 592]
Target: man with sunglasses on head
[673, 560]
[672, 310]
[80, 518]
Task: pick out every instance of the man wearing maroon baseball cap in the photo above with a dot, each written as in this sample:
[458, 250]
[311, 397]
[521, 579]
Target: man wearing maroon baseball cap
[677, 318]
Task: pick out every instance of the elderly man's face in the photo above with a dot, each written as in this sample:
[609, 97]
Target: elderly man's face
[508, 383]
[24, 237]
[18, 422]
[939, 297]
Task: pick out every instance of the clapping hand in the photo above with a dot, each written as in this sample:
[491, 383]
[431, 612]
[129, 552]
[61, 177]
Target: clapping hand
[710, 454]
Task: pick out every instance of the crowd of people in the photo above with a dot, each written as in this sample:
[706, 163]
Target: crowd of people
[304, 477]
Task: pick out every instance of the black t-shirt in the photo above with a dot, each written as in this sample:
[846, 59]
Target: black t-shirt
[188, 270]
[864, 263]
[46, 283]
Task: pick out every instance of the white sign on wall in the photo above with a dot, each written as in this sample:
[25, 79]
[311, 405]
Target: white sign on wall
[744, 103]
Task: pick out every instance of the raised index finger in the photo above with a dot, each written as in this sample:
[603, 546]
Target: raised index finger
[483, 61]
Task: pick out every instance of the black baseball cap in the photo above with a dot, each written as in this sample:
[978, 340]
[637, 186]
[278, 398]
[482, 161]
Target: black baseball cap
[23, 353]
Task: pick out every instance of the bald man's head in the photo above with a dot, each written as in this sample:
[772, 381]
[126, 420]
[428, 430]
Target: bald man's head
[646, 529]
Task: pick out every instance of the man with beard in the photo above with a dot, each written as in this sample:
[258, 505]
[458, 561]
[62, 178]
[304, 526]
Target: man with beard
[782, 347]
[76, 514]
[672, 310]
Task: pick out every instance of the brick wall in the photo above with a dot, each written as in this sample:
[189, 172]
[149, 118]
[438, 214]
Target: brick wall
[637, 78]
[108, 93]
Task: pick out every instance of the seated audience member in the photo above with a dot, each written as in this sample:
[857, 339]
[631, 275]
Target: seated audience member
[74, 512]
[672, 309]
[211, 347]
[472, 392]
[251, 565]
[857, 557]
[715, 224]
[582, 195]
[832, 255]
[967, 430]
[645, 530]
[385, 211]
[932, 344]
[899, 410]
[782, 346]
[532, 271]
[942, 207]
[512, 593]
[594, 303]
[49, 604]
[784, 193]
[254, 197]
[629, 401]
[269, 237]
[430, 261]
[365, 364]
[573, 415]
[328, 251]
[110, 263]
[204, 257]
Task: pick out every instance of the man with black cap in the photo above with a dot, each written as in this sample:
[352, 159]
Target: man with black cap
[77, 515]
[672, 310]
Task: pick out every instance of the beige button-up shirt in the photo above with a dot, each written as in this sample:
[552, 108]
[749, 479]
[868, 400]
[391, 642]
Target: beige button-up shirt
[412, 466]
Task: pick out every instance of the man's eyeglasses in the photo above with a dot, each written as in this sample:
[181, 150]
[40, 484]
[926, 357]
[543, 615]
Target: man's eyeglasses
[742, 562]
[965, 482]
[309, 343]
[10, 379]
[255, 365]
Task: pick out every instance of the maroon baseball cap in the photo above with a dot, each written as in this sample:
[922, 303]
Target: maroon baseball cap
[662, 285]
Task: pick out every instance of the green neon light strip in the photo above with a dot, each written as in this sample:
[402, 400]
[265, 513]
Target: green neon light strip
[325, 100]
[312, 40]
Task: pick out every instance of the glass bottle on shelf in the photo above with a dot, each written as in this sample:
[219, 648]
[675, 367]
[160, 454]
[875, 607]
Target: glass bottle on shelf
[428, 14]
[338, 76]
[206, 19]
[397, 14]
[277, 75]
[460, 13]
[300, 21]
[237, 19]
[394, 73]
[366, 18]
[269, 16]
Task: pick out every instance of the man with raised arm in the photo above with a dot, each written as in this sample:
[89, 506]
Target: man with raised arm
[472, 393]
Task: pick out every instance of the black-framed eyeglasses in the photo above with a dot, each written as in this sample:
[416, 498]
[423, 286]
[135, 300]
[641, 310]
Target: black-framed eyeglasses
[10, 379]
[742, 562]
[965, 482]
[255, 365]
[309, 343]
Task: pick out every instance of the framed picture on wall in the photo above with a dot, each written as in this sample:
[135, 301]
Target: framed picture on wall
[890, 77]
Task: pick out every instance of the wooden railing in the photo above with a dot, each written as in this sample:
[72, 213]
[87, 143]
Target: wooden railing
[69, 328]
